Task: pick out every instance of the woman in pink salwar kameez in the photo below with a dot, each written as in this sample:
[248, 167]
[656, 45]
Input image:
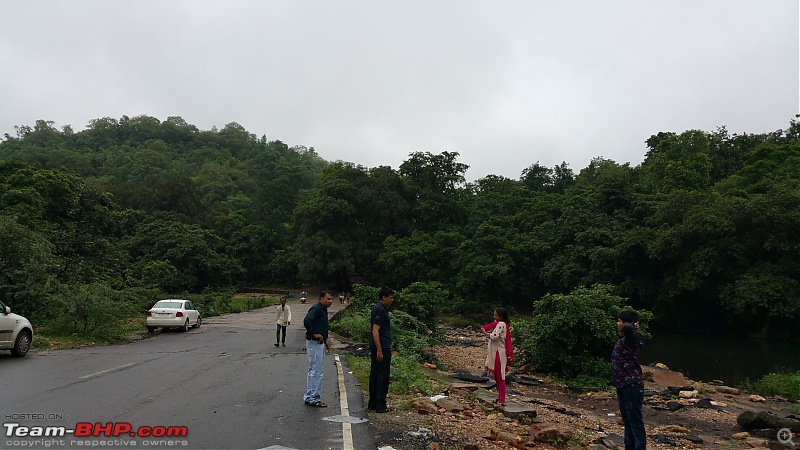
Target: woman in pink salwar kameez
[500, 352]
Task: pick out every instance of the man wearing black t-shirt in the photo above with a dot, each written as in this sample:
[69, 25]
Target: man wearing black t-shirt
[380, 351]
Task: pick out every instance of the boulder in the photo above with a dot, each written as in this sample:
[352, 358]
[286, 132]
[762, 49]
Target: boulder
[707, 403]
[688, 394]
[553, 435]
[742, 435]
[465, 386]
[664, 377]
[757, 398]
[424, 405]
[727, 390]
[516, 410]
[757, 443]
[754, 420]
[674, 406]
[612, 441]
[677, 429]
[449, 405]
[508, 438]
[675, 390]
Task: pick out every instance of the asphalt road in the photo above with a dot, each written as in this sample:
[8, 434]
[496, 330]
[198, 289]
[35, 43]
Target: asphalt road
[224, 382]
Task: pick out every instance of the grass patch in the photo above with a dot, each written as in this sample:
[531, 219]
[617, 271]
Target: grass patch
[406, 375]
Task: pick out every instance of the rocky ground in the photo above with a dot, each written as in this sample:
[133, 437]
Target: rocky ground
[542, 414]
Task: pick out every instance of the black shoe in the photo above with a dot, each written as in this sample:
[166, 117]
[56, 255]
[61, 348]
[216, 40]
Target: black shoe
[284, 344]
[276, 345]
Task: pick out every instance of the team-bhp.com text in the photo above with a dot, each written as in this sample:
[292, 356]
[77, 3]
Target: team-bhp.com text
[121, 430]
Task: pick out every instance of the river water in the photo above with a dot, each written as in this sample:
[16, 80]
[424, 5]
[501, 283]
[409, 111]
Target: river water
[732, 360]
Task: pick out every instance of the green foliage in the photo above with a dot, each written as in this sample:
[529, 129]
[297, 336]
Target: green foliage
[424, 301]
[785, 384]
[92, 309]
[706, 223]
[572, 335]
[364, 297]
[407, 376]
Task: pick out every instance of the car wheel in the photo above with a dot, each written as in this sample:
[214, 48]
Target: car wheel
[151, 329]
[198, 323]
[22, 344]
[186, 325]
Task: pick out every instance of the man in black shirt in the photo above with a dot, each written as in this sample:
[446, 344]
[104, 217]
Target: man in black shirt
[380, 350]
[316, 323]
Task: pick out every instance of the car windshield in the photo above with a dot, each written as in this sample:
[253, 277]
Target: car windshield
[168, 304]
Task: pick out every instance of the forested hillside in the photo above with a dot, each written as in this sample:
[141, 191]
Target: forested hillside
[704, 232]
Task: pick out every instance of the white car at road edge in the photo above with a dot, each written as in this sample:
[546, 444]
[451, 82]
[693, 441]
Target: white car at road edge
[16, 332]
[173, 313]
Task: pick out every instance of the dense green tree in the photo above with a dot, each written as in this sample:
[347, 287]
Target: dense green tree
[435, 181]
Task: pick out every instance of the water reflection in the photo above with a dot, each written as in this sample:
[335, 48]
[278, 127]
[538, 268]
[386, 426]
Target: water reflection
[732, 360]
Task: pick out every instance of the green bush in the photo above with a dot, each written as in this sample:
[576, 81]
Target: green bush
[353, 325]
[786, 384]
[410, 335]
[572, 335]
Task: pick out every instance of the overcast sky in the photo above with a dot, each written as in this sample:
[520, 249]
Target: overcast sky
[504, 83]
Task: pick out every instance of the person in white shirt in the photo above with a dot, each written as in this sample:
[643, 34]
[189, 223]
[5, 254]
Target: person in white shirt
[284, 318]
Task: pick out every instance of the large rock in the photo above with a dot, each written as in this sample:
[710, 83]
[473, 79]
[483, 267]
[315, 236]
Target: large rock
[449, 405]
[754, 420]
[677, 429]
[688, 394]
[664, 377]
[727, 390]
[464, 386]
[552, 435]
[424, 405]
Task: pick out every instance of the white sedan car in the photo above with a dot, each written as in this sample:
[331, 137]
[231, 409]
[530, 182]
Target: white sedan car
[16, 332]
[173, 313]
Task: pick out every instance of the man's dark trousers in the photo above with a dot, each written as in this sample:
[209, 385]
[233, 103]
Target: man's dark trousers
[379, 379]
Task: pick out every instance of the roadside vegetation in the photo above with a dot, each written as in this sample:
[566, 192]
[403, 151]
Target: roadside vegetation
[92, 327]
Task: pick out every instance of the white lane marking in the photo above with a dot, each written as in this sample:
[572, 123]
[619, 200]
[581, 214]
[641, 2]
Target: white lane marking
[103, 372]
[347, 430]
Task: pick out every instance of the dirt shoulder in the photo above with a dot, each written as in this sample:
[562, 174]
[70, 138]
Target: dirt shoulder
[540, 412]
